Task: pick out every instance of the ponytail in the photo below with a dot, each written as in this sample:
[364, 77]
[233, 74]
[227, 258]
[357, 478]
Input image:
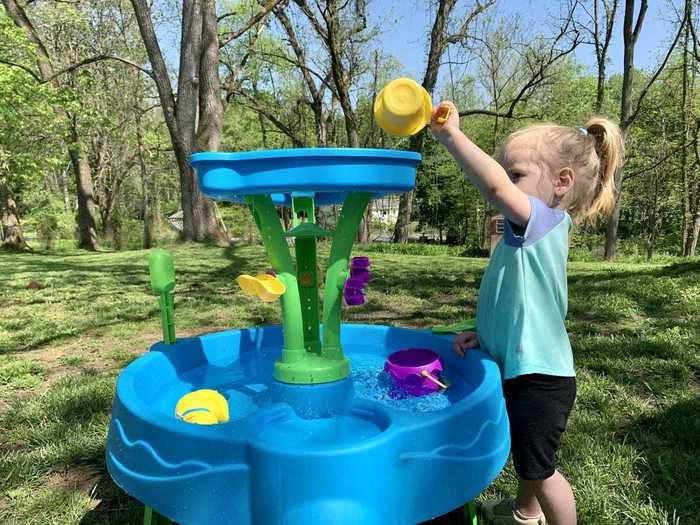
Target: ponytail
[610, 148]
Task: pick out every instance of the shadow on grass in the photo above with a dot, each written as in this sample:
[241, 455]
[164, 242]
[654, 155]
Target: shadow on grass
[669, 442]
[115, 507]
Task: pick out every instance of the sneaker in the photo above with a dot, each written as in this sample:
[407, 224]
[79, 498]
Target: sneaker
[503, 512]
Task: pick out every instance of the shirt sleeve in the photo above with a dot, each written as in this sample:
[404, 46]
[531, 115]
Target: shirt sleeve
[542, 220]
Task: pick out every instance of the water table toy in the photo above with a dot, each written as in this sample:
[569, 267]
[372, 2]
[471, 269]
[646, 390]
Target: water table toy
[416, 370]
[295, 423]
[403, 107]
[265, 286]
[468, 325]
[203, 407]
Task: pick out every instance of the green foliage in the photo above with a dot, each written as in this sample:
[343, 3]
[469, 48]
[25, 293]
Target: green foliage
[51, 221]
[26, 115]
[414, 249]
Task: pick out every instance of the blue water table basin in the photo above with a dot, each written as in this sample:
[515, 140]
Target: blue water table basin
[377, 460]
[301, 424]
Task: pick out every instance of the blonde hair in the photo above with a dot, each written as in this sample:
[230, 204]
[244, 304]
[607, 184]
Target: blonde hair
[594, 153]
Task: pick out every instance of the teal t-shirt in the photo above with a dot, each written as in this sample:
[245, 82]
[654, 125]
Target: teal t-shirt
[523, 297]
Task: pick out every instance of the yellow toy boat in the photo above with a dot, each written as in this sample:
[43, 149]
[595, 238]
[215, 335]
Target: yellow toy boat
[266, 287]
[203, 407]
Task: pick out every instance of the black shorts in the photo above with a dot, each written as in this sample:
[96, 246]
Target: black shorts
[538, 406]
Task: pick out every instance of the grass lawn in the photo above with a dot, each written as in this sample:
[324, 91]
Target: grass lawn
[70, 321]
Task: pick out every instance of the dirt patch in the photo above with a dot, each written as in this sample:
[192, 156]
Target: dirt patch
[82, 478]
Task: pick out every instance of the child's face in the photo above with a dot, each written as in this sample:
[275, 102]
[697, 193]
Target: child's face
[527, 170]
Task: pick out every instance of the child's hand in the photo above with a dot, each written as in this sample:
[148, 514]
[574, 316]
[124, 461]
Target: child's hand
[442, 129]
[465, 341]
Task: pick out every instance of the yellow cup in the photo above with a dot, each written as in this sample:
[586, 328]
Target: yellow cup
[203, 407]
[403, 107]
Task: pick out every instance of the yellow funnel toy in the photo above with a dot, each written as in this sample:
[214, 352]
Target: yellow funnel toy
[404, 108]
[202, 407]
[265, 286]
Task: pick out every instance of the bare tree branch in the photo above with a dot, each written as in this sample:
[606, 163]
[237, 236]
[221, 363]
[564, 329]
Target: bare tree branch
[499, 114]
[461, 34]
[644, 170]
[645, 90]
[640, 20]
[23, 68]
[253, 104]
[324, 80]
[229, 37]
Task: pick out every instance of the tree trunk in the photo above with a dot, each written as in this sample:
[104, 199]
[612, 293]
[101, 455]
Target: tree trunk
[11, 237]
[145, 191]
[87, 225]
[693, 237]
[601, 46]
[686, 112]
[628, 114]
[630, 33]
[210, 126]
[198, 66]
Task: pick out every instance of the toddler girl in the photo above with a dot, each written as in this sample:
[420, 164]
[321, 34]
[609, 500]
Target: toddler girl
[543, 175]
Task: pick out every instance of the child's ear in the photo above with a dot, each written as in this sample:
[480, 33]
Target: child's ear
[564, 181]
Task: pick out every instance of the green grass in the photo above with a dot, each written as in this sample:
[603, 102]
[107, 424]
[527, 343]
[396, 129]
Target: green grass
[631, 447]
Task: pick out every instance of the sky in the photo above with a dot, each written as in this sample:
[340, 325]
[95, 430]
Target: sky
[406, 31]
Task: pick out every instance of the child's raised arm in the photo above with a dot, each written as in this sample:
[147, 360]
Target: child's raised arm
[481, 169]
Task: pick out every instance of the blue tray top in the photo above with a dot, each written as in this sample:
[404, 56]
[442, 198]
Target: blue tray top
[326, 173]
[380, 460]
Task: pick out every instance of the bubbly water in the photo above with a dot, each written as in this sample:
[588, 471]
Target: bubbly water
[247, 389]
[373, 383]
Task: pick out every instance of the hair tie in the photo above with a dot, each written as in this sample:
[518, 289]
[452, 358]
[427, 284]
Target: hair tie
[583, 131]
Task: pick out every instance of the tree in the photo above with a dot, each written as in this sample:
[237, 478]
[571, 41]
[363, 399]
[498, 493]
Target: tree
[439, 40]
[629, 109]
[601, 32]
[195, 118]
[690, 227]
[81, 169]
[343, 31]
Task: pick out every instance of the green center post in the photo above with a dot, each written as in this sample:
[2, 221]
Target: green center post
[305, 358]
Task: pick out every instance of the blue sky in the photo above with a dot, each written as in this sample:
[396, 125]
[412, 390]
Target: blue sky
[408, 25]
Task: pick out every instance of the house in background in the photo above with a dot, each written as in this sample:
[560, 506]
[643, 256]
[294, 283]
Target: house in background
[493, 233]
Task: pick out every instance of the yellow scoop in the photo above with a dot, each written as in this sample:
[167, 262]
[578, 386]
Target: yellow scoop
[265, 286]
[202, 407]
[404, 108]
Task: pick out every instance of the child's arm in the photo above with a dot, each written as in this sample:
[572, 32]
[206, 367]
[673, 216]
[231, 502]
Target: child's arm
[482, 170]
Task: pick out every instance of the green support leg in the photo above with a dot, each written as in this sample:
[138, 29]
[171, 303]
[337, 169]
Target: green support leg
[151, 517]
[167, 317]
[265, 215]
[470, 517]
[337, 272]
[297, 365]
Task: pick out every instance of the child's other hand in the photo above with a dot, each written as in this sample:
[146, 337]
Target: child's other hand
[465, 341]
[442, 130]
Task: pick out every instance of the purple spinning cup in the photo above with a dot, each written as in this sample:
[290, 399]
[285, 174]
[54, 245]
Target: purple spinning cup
[359, 263]
[406, 367]
[362, 274]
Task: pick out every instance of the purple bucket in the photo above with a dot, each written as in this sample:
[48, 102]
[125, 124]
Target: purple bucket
[405, 368]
